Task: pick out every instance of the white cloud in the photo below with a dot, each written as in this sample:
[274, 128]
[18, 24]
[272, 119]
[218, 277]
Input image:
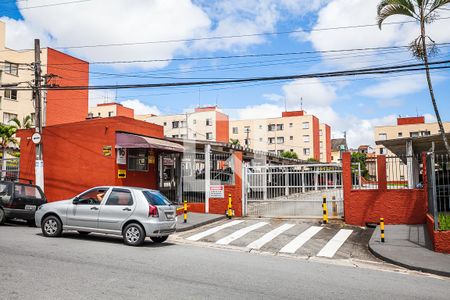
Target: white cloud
[141, 108]
[385, 103]
[260, 111]
[313, 91]
[396, 87]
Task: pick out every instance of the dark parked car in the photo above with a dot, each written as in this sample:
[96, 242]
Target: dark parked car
[19, 201]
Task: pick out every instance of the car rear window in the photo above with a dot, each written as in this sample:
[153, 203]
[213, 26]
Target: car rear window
[156, 199]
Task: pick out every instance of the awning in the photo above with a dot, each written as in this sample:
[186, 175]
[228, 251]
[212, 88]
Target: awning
[419, 144]
[126, 140]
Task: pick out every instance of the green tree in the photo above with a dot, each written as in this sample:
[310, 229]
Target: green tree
[235, 142]
[360, 158]
[311, 159]
[289, 154]
[26, 123]
[425, 12]
[7, 137]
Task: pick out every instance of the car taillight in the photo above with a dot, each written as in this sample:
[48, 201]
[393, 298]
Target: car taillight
[152, 211]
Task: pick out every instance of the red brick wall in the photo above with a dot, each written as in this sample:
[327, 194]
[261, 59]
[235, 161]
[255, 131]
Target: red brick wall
[66, 106]
[316, 138]
[368, 206]
[73, 155]
[298, 113]
[440, 239]
[222, 128]
[410, 120]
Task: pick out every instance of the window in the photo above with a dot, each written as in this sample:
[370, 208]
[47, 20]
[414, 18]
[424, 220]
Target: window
[260, 126]
[235, 130]
[260, 139]
[209, 136]
[382, 150]
[209, 122]
[165, 124]
[306, 151]
[382, 136]
[321, 155]
[280, 140]
[414, 134]
[99, 114]
[183, 136]
[7, 117]
[120, 197]
[321, 144]
[291, 125]
[156, 198]
[271, 127]
[137, 160]
[175, 124]
[306, 139]
[292, 150]
[11, 68]
[92, 197]
[280, 127]
[425, 133]
[320, 132]
[194, 135]
[175, 136]
[90, 115]
[271, 140]
[305, 125]
[400, 134]
[182, 124]
[291, 138]
[110, 113]
[11, 94]
[26, 192]
[194, 121]
[6, 191]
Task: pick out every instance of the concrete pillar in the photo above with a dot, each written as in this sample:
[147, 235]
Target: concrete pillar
[410, 164]
[207, 175]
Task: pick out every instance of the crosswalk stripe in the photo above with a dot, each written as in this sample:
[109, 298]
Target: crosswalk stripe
[213, 230]
[335, 243]
[300, 240]
[269, 236]
[240, 233]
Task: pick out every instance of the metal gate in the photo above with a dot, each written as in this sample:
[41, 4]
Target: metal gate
[292, 191]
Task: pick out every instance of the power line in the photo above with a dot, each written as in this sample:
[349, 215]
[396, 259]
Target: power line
[379, 70]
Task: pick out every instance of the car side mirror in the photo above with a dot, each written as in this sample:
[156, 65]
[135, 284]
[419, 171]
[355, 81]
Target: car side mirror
[76, 201]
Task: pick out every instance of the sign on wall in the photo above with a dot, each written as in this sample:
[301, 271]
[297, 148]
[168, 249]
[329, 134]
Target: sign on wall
[122, 173]
[121, 157]
[107, 150]
[216, 191]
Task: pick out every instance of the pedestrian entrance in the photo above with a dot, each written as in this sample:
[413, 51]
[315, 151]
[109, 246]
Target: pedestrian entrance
[292, 191]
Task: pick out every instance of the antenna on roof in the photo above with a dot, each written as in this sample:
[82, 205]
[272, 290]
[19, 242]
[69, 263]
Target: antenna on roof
[301, 103]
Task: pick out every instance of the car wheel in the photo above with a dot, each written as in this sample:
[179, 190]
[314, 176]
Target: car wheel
[51, 227]
[31, 223]
[2, 216]
[133, 235]
[159, 239]
[83, 232]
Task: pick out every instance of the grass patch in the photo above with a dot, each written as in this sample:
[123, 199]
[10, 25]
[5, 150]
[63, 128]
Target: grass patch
[444, 221]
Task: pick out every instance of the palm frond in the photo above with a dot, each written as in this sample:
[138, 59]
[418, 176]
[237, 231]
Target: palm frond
[388, 8]
[16, 122]
[437, 4]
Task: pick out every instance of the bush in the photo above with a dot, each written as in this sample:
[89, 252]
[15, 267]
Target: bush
[444, 221]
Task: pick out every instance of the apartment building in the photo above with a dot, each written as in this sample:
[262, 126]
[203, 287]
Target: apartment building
[58, 68]
[204, 123]
[113, 109]
[294, 131]
[406, 127]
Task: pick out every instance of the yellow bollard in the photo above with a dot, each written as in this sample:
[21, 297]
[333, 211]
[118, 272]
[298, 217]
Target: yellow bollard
[325, 209]
[382, 229]
[185, 211]
[229, 211]
[334, 206]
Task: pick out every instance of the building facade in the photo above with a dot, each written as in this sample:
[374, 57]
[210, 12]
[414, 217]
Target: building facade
[58, 69]
[204, 123]
[106, 110]
[294, 131]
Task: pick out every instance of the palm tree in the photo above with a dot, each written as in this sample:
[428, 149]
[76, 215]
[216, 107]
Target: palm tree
[27, 122]
[235, 142]
[7, 137]
[425, 12]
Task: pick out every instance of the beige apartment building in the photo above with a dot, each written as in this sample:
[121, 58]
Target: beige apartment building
[112, 109]
[294, 131]
[204, 123]
[16, 71]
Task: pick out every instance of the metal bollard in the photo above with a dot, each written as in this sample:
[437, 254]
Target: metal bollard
[382, 229]
[334, 206]
[185, 211]
[229, 211]
[325, 209]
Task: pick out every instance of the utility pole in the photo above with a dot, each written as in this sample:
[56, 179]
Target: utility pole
[37, 139]
[247, 141]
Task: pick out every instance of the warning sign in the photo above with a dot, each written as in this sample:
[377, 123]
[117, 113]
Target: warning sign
[122, 173]
[216, 191]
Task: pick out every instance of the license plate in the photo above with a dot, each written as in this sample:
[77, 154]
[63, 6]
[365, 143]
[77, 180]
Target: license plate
[30, 207]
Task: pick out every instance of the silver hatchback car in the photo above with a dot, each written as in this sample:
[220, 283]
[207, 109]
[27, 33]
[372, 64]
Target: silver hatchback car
[133, 213]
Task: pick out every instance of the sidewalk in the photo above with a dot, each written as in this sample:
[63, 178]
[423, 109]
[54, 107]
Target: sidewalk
[408, 246]
[195, 220]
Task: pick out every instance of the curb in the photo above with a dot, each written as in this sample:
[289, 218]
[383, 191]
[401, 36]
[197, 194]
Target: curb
[201, 224]
[410, 267]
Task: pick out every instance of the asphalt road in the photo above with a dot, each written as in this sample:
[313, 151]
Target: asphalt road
[101, 267]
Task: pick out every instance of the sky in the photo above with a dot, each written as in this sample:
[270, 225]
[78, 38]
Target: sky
[159, 39]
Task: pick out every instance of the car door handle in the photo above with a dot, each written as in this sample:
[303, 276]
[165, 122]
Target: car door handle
[94, 208]
[126, 209]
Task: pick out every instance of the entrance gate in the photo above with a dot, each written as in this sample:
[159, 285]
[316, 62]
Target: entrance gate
[292, 191]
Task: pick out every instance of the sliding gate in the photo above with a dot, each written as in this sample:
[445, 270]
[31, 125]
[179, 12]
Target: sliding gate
[292, 191]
